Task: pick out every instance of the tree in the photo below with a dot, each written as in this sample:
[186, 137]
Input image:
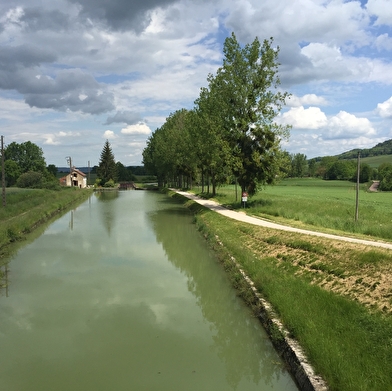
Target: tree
[299, 165]
[52, 169]
[107, 169]
[249, 103]
[28, 156]
[385, 176]
[124, 174]
[12, 172]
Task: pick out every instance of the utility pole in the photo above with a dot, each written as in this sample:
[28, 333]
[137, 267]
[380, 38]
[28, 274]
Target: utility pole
[69, 161]
[3, 171]
[357, 194]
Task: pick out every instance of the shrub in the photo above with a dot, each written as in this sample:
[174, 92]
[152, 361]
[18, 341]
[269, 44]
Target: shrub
[30, 179]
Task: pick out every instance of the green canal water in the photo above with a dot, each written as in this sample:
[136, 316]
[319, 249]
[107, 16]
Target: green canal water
[122, 293]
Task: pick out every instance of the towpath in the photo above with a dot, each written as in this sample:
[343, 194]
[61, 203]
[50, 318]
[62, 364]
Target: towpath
[240, 216]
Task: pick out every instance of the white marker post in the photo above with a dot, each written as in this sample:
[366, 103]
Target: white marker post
[244, 197]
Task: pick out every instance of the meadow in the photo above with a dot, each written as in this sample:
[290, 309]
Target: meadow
[319, 205]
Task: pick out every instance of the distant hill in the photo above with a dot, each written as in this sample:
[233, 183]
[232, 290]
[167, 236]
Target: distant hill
[384, 148]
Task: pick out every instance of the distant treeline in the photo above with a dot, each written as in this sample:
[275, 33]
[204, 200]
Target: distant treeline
[136, 170]
[344, 166]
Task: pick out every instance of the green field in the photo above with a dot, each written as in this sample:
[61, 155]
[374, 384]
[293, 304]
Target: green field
[376, 161]
[319, 205]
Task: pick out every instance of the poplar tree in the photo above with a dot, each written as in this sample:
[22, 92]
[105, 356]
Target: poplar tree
[107, 169]
[249, 103]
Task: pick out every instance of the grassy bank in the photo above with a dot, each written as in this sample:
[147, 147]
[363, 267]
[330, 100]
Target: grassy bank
[28, 208]
[335, 298]
[318, 204]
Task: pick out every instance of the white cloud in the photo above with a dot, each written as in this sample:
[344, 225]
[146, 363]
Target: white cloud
[138, 129]
[385, 109]
[298, 117]
[382, 10]
[109, 134]
[346, 125]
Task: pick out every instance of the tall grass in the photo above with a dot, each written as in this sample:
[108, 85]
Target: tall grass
[320, 204]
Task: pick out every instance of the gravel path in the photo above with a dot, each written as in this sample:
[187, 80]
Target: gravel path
[240, 216]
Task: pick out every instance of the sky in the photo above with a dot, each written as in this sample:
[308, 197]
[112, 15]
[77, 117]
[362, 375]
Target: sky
[75, 73]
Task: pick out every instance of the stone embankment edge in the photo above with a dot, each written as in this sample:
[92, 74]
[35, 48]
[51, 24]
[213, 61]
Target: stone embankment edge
[288, 348]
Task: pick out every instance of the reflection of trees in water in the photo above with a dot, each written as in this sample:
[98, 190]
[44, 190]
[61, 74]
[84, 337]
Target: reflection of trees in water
[107, 207]
[4, 272]
[246, 353]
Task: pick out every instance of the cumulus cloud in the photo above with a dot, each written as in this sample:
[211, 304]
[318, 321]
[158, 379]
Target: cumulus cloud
[109, 134]
[385, 109]
[137, 129]
[346, 125]
[301, 118]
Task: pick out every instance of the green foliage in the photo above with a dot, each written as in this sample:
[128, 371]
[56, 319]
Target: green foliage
[107, 166]
[124, 174]
[341, 170]
[385, 176]
[30, 179]
[299, 165]
[12, 172]
[249, 105]
[52, 169]
[231, 133]
[384, 148]
[109, 183]
[28, 156]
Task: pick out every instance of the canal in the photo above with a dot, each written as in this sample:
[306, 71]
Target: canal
[122, 293]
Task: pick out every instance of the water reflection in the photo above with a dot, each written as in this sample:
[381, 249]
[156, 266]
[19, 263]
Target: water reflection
[4, 282]
[108, 210]
[103, 309]
[249, 357]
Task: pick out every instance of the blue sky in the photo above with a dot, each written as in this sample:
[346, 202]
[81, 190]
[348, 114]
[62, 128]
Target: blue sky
[74, 73]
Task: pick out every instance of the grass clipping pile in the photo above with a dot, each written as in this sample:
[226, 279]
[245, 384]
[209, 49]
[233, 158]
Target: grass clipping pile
[358, 272]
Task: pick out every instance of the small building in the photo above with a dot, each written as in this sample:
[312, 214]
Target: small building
[75, 178]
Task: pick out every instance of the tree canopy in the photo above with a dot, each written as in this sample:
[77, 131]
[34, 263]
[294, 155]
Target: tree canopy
[231, 133]
[22, 158]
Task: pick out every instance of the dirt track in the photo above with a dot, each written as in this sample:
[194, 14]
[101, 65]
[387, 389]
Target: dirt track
[264, 223]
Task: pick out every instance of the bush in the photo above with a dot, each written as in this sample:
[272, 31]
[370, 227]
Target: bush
[109, 183]
[30, 179]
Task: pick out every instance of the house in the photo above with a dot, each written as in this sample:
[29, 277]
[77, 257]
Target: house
[75, 178]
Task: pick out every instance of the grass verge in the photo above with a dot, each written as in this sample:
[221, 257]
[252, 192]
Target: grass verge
[334, 298]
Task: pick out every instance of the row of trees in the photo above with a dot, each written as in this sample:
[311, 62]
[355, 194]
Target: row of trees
[230, 134]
